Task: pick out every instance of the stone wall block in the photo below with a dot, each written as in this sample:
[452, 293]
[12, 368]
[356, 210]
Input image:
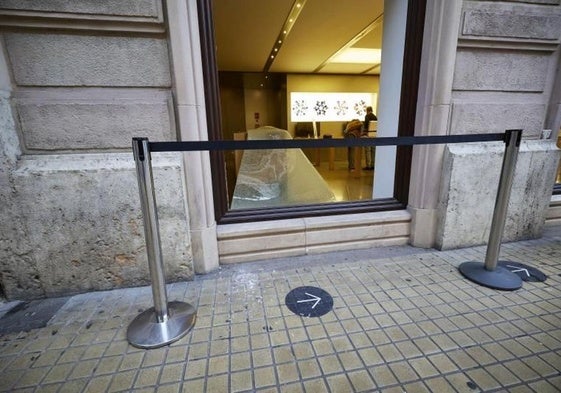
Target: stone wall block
[473, 118]
[84, 224]
[65, 124]
[21, 281]
[500, 70]
[541, 2]
[471, 175]
[509, 24]
[133, 8]
[81, 60]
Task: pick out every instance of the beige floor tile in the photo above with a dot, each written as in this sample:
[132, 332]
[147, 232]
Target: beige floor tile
[378, 337]
[262, 357]
[131, 361]
[403, 372]
[147, 377]
[171, 373]
[84, 369]
[309, 368]
[339, 383]
[443, 363]
[389, 352]
[361, 381]
[240, 361]
[177, 353]
[382, 375]
[521, 370]
[544, 387]
[370, 356]
[195, 369]
[264, 376]
[194, 385]
[169, 388]
[416, 387]
[98, 384]
[31, 377]
[259, 341]
[350, 360]
[423, 367]
[330, 364]
[483, 379]
[287, 373]
[283, 354]
[217, 383]
[408, 349]
[502, 374]
[241, 381]
[58, 373]
[322, 347]
[123, 381]
[462, 359]
[218, 365]
[480, 355]
[553, 359]
[315, 385]
[342, 344]
[426, 345]
[439, 384]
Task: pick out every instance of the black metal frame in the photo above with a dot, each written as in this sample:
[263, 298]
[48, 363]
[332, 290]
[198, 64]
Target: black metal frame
[410, 82]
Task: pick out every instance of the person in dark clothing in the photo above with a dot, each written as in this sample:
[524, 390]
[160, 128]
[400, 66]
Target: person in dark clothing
[369, 150]
[353, 129]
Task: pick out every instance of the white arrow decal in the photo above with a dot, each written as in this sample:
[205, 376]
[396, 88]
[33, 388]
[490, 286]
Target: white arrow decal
[315, 299]
[519, 270]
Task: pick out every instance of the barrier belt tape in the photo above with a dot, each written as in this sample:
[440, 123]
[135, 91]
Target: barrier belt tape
[327, 142]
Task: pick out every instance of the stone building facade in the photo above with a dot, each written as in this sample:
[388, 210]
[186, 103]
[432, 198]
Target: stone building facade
[79, 79]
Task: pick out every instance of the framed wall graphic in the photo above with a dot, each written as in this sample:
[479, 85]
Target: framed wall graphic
[305, 106]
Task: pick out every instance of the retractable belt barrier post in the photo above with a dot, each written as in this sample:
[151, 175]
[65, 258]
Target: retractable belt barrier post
[489, 274]
[167, 322]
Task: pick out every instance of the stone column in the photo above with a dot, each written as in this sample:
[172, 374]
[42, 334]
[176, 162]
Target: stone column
[433, 112]
[190, 111]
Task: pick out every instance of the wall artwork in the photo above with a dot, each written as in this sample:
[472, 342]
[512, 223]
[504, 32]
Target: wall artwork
[305, 106]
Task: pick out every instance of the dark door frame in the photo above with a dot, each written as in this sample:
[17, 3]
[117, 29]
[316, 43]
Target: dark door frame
[408, 104]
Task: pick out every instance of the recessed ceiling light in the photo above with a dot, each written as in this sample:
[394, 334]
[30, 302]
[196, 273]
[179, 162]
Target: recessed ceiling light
[358, 56]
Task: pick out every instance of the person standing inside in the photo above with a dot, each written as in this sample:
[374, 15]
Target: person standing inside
[368, 150]
[353, 129]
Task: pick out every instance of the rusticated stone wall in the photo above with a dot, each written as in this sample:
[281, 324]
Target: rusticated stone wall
[506, 66]
[83, 78]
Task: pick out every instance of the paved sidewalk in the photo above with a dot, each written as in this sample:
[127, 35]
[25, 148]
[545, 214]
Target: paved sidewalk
[403, 319]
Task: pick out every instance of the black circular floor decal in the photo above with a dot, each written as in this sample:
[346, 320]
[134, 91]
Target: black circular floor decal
[309, 301]
[525, 272]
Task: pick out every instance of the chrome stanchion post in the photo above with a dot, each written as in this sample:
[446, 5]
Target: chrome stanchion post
[165, 322]
[489, 274]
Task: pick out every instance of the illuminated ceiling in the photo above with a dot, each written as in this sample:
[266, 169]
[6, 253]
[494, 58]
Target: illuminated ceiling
[247, 32]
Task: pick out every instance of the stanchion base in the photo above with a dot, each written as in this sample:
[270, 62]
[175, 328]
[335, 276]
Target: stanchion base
[500, 278]
[145, 332]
